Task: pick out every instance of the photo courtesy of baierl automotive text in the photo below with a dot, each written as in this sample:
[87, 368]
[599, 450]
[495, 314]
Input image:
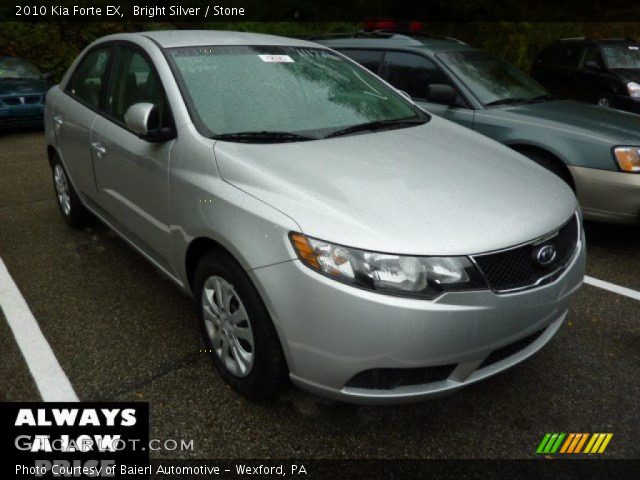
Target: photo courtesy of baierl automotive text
[326, 241]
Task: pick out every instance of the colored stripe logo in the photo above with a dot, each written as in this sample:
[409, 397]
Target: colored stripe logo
[553, 443]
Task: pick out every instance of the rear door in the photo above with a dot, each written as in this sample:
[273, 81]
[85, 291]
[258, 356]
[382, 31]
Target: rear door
[413, 74]
[74, 114]
[131, 172]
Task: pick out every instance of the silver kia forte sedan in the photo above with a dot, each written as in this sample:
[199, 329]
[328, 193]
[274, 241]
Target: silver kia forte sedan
[330, 231]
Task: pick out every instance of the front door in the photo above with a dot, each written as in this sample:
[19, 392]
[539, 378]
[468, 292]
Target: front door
[568, 71]
[132, 173]
[413, 74]
[589, 84]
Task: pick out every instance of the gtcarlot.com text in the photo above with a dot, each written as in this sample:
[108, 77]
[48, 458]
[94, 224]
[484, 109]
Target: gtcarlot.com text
[100, 443]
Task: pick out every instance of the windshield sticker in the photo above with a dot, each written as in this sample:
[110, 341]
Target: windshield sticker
[276, 58]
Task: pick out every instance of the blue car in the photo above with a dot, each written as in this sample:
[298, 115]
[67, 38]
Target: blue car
[22, 92]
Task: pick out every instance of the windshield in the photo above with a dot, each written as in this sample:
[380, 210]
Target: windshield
[491, 79]
[16, 68]
[294, 92]
[622, 56]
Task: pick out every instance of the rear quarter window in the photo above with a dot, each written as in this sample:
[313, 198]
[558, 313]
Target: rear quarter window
[548, 55]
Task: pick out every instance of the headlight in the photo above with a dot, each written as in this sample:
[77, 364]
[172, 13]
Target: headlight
[633, 89]
[628, 158]
[421, 277]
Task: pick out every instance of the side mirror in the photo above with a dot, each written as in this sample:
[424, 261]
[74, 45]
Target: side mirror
[143, 120]
[591, 65]
[405, 95]
[440, 93]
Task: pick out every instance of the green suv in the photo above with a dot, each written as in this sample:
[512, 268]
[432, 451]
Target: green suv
[594, 149]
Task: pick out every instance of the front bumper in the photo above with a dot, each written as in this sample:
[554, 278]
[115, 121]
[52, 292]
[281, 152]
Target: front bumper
[23, 116]
[332, 332]
[607, 195]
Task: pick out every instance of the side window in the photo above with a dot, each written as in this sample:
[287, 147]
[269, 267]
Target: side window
[89, 77]
[413, 74]
[135, 81]
[369, 59]
[548, 55]
[593, 55]
[571, 55]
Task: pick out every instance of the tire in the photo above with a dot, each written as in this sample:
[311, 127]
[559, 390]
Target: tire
[72, 209]
[552, 164]
[605, 99]
[243, 330]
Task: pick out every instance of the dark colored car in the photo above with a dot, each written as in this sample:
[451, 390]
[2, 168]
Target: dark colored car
[22, 93]
[604, 72]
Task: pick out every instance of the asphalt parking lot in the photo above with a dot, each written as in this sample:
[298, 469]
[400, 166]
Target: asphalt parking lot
[121, 331]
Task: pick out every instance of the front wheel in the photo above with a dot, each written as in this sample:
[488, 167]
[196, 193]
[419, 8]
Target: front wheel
[237, 329]
[72, 209]
[604, 100]
[555, 166]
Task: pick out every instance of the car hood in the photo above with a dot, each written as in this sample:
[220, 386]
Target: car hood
[435, 189]
[628, 74]
[23, 87]
[612, 126]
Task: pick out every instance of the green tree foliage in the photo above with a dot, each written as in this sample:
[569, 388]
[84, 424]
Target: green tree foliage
[53, 46]
[518, 42]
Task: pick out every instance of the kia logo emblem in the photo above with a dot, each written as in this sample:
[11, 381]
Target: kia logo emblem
[545, 255]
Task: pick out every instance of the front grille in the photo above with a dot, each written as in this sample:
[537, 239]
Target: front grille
[31, 99]
[517, 268]
[21, 100]
[511, 349]
[390, 378]
[11, 101]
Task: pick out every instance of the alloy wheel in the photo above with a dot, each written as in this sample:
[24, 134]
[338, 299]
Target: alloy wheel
[227, 325]
[62, 189]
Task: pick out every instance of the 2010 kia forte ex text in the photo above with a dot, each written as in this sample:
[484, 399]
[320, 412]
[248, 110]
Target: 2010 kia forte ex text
[330, 231]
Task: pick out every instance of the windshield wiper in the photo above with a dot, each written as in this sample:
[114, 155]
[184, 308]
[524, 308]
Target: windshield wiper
[506, 101]
[263, 136]
[378, 125]
[542, 98]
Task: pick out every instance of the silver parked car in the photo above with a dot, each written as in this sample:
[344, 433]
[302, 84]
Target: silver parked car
[329, 230]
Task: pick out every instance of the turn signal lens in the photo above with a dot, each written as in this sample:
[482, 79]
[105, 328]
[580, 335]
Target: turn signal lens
[304, 250]
[628, 158]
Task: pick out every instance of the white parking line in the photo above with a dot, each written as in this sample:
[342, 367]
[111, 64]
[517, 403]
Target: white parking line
[52, 382]
[612, 287]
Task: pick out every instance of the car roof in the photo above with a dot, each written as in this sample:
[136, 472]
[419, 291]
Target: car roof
[595, 40]
[196, 38]
[398, 41]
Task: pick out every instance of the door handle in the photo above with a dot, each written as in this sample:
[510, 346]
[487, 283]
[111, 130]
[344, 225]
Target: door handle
[58, 120]
[98, 149]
